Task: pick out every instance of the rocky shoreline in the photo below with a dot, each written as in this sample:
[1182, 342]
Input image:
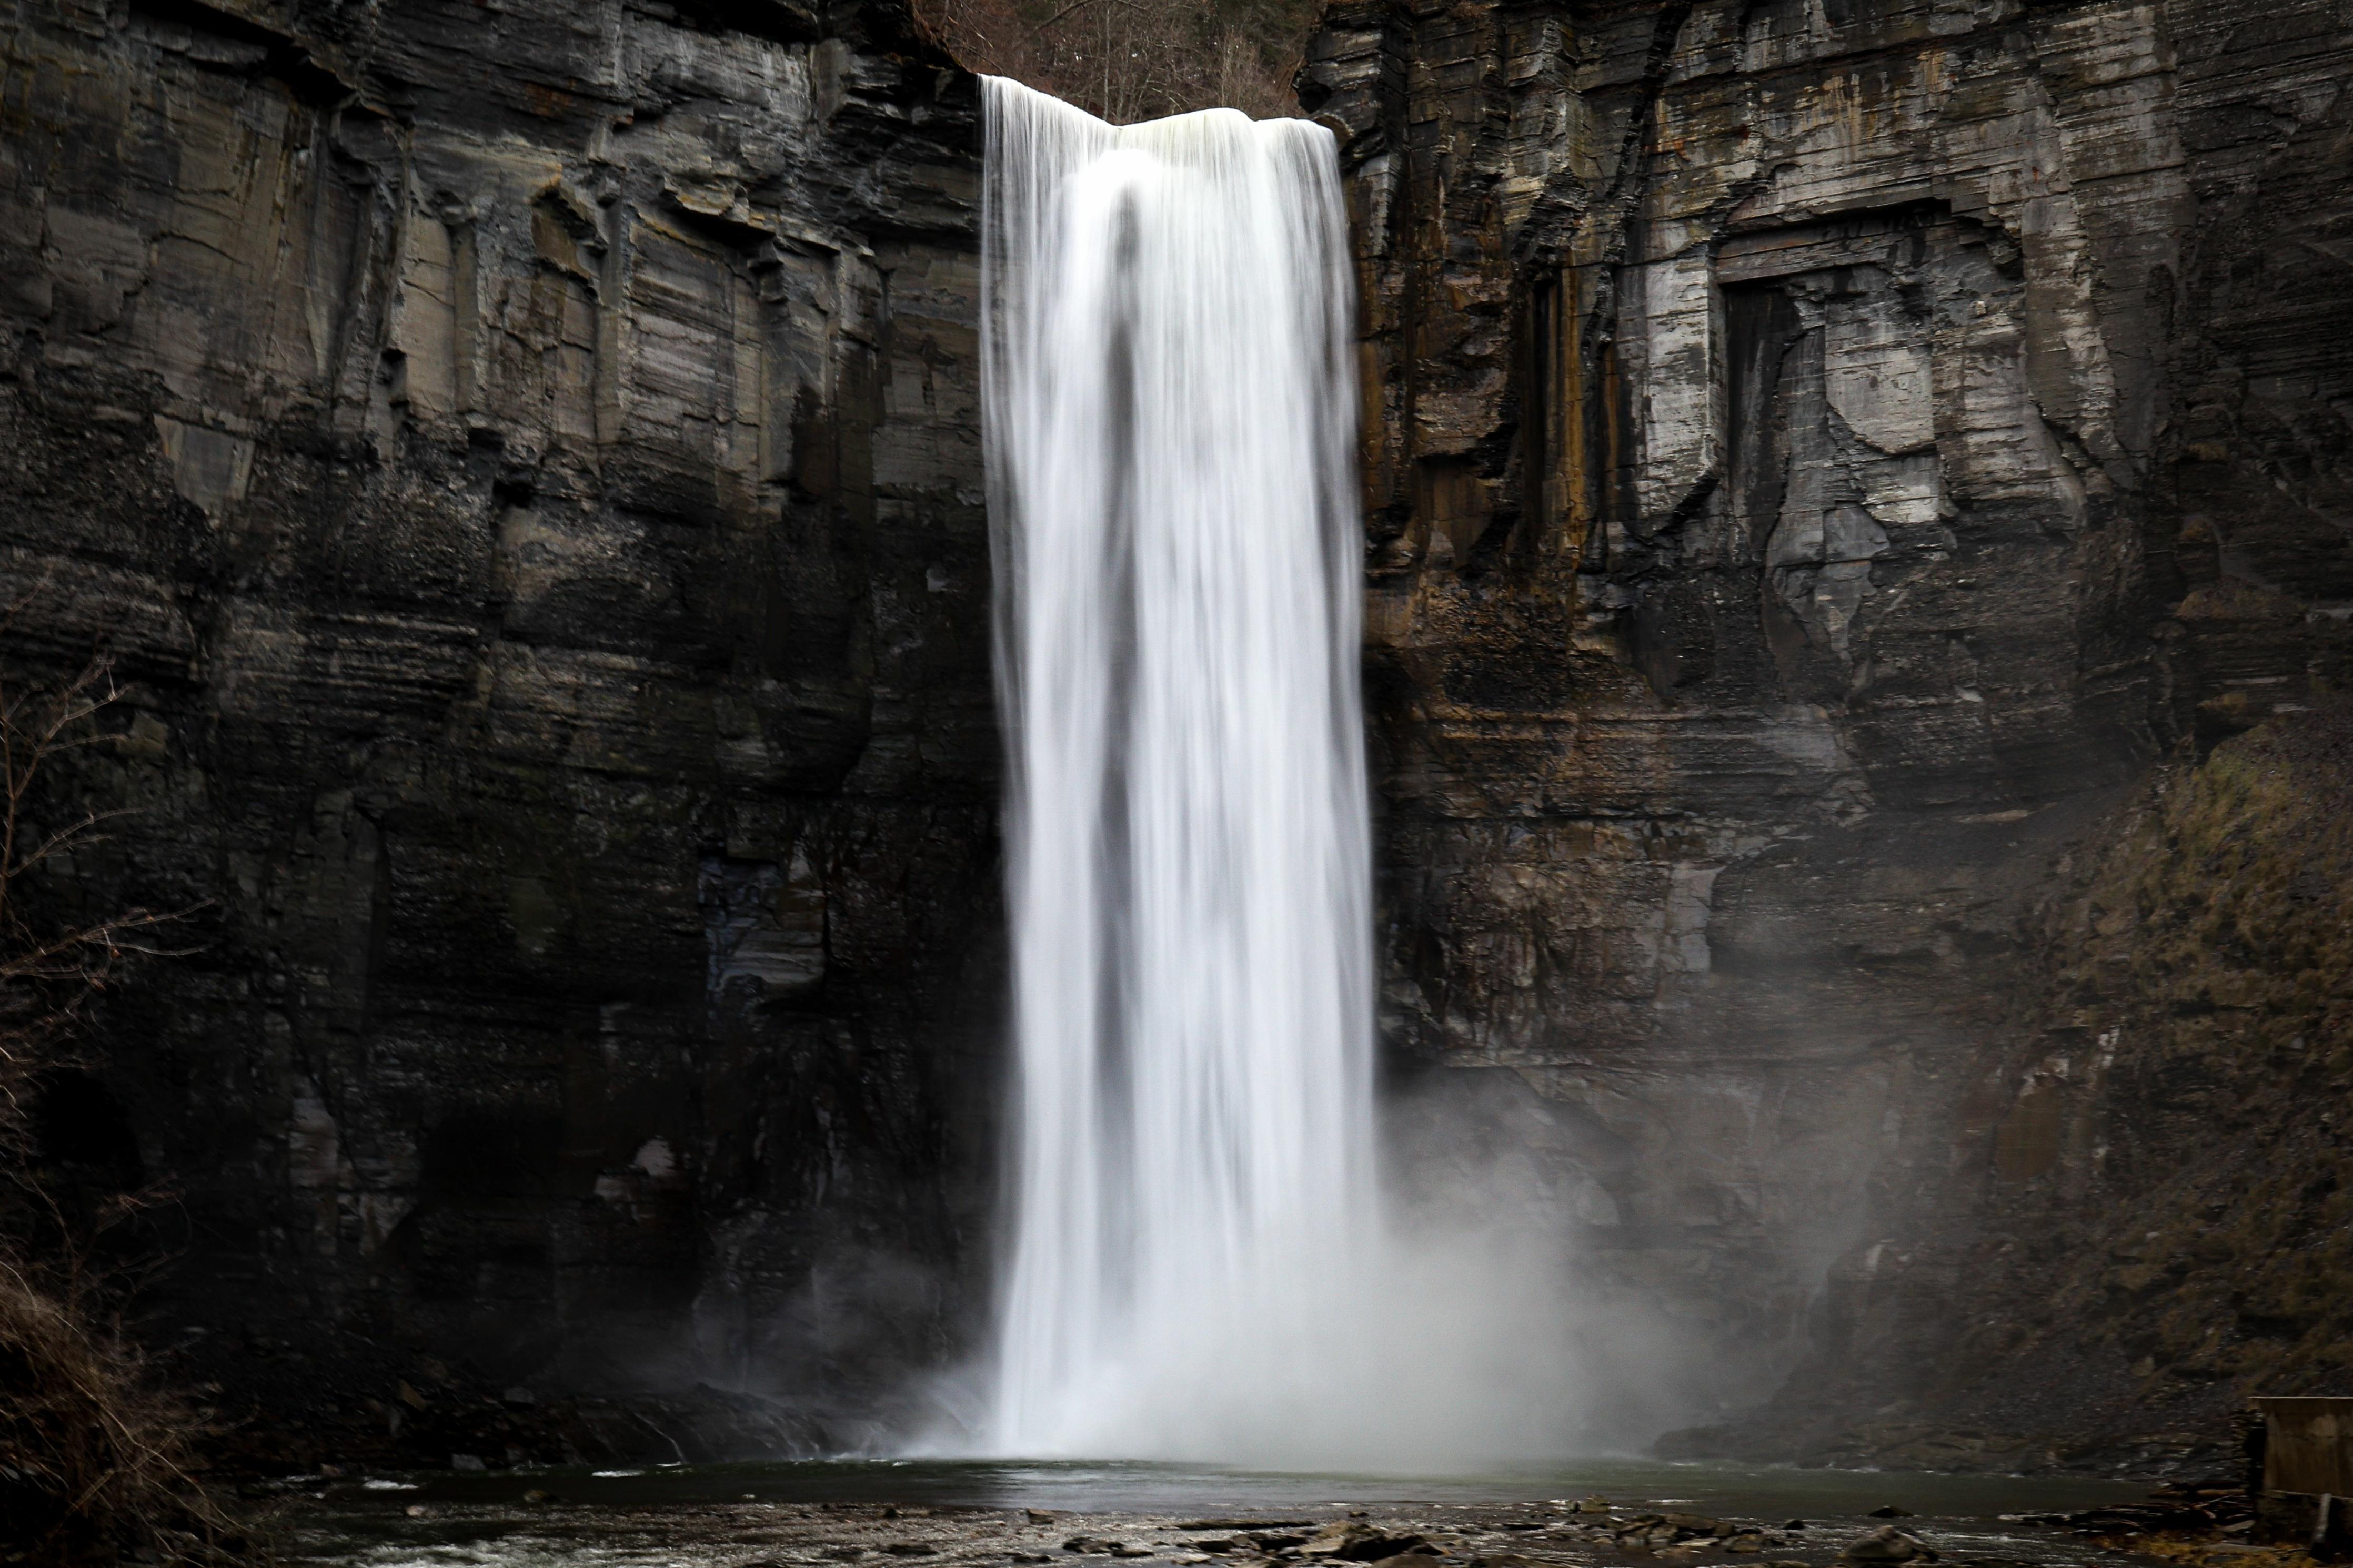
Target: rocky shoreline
[354, 1521]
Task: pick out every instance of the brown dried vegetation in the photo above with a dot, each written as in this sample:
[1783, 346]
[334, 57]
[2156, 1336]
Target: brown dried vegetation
[96, 1463]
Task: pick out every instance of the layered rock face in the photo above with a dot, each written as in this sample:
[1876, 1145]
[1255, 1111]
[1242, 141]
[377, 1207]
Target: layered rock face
[524, 462]
[1818, 455]
[1833, 468]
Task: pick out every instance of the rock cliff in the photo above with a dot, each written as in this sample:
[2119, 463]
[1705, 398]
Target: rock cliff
[524, 460]
[1818, 455]
[1833, 470]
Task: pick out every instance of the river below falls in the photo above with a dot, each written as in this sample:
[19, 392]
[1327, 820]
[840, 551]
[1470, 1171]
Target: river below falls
[991, 1514]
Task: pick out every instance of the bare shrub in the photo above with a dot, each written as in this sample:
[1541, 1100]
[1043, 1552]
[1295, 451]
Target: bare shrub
[49, 972]
[96, 1463]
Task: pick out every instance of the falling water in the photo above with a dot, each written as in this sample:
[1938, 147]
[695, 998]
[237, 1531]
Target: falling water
[1170, 421]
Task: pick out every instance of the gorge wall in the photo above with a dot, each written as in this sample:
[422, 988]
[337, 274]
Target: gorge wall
[1834, 469]
[524, 463]
[1821, 458]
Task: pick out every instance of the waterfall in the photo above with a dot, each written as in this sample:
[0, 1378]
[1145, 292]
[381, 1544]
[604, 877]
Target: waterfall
[1170, 422]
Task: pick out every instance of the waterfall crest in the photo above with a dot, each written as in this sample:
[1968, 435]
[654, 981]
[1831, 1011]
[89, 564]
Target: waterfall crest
[1170, 422]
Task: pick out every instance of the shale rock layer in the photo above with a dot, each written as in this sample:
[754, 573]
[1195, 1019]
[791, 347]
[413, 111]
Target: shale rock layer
[524, 462]
[1817, 456]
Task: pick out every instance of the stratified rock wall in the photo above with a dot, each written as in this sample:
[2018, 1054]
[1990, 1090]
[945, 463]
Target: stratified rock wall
[1821, 455]
[1818, 453]
[525, 461]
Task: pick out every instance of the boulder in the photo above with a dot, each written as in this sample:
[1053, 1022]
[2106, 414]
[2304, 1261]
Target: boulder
[1353, 1542]
[1887, 1544]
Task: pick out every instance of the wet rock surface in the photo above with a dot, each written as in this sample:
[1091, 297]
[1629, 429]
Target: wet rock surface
[1821, 460]
[523, 461]
[562, 1525]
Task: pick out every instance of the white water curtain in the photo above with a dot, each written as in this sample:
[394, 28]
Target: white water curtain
[1170, 409]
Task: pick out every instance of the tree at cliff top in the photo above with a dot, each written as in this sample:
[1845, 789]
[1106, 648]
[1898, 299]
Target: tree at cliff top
[1135, 59]
[95, 1462]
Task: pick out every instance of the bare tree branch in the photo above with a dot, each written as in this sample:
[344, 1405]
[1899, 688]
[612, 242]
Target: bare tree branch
[100, 1457]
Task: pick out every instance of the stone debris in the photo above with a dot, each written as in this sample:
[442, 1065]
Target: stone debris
[2183, 1509]
[1351, 1542]
[1887, 1544]
[1433, 1536]
[1655, 1531]
[1095, 1546]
